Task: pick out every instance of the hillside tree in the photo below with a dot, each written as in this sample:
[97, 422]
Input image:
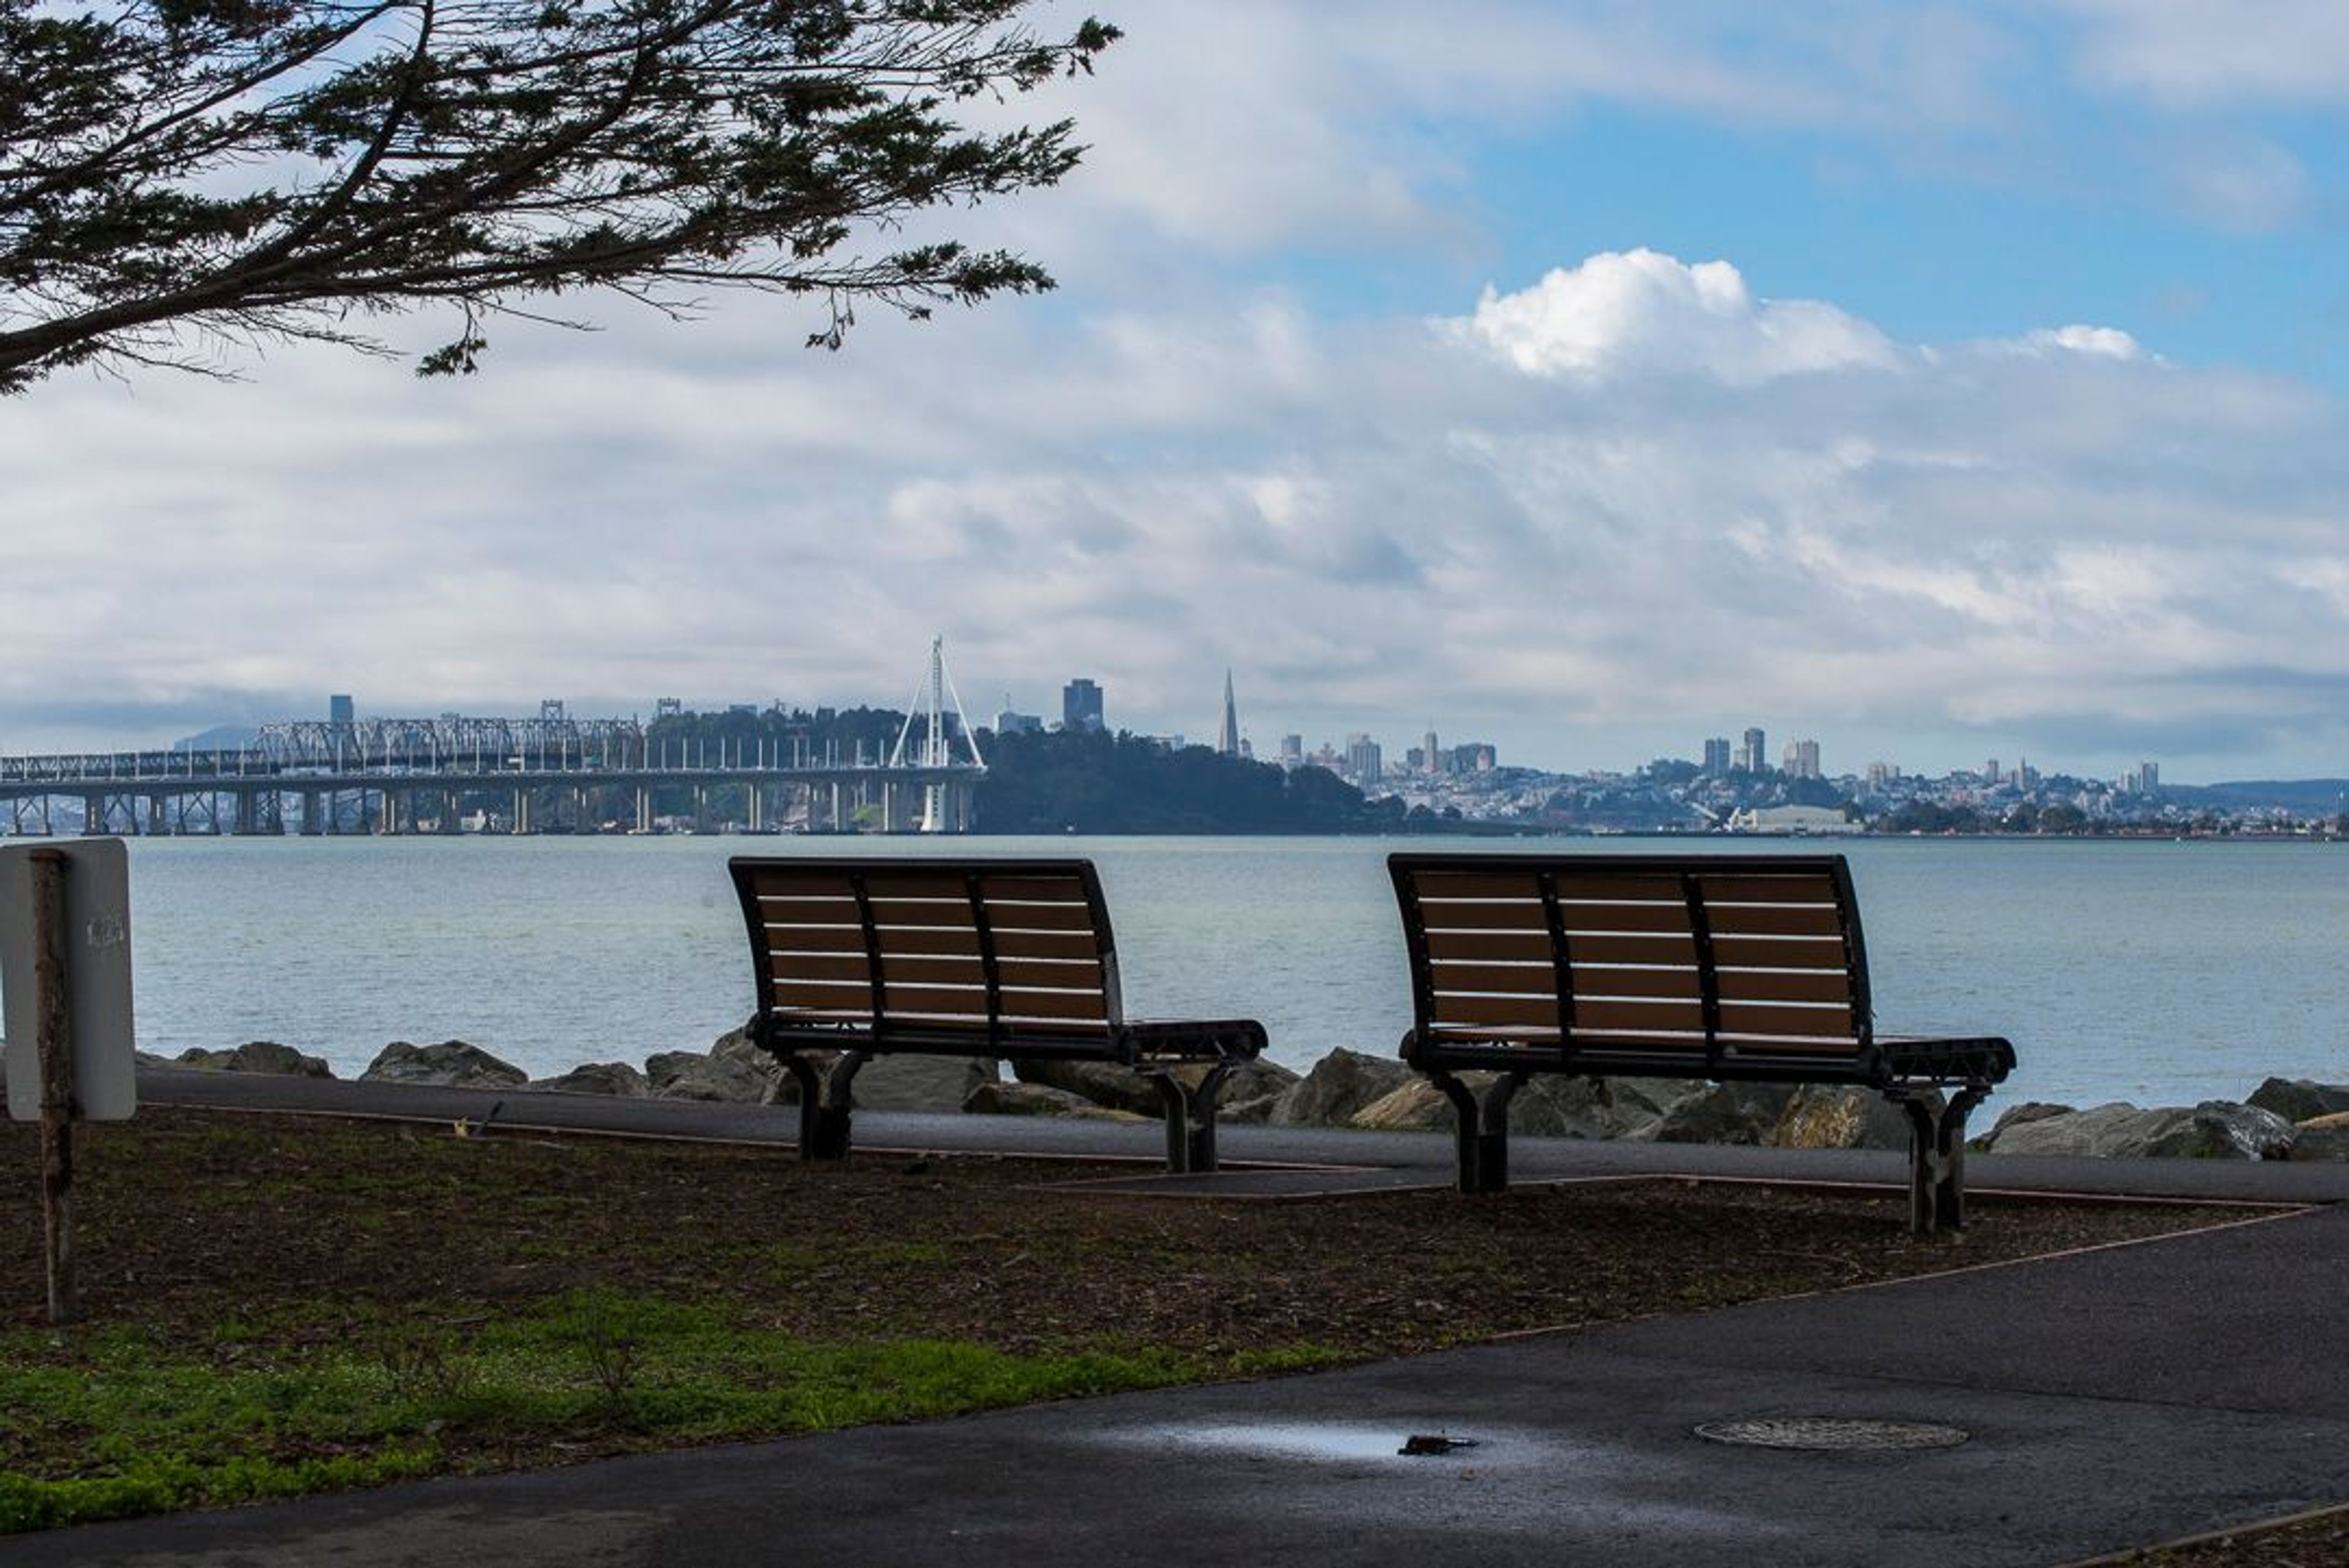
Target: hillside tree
[176, 175]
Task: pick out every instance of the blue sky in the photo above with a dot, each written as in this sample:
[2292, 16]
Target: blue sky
[1939, 382]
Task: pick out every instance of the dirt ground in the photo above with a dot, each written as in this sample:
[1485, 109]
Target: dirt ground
[186, 1217]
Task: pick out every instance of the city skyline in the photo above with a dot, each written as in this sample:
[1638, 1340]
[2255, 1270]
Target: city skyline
[1084, 703]
[1939, 383]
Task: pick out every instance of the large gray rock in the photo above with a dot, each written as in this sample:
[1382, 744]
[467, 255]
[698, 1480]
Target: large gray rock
[1254, 1092]
[2215, 1130]
[1840, 1116]
[920, 1083]
[1103, 1083]
[1339, 1087]
[617, 1078]
[995, 1097]
[1415, 1106]
[2301, 1099]
[1726, 1113]
[1250, 1091]
[1563, 1105]
[706, 1076]
[2323, 1138]
[257, 1057]
[452, 1063]
[2017, 1115]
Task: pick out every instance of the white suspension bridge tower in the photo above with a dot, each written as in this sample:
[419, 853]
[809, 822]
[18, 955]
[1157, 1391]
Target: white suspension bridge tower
[942, 805]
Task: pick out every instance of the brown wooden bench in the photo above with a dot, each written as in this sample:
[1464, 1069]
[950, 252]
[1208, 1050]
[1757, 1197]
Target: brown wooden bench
[1002, 958]
[1700, 966]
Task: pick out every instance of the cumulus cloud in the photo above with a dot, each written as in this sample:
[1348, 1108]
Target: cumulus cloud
[1642, 312]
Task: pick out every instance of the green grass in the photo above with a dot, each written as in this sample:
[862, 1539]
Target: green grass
[330, 1399]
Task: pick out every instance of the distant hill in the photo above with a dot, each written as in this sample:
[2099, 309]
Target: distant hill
[2301, 797]
[219, 737]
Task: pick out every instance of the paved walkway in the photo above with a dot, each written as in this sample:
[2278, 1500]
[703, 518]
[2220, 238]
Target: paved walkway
[2109, 1399]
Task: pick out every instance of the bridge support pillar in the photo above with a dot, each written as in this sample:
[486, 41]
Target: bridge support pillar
[643, 809]
[521, 812]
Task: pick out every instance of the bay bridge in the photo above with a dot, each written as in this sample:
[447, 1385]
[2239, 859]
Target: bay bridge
[548, 773]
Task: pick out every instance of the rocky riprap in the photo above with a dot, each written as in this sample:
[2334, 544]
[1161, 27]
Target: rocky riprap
[2283, 1118]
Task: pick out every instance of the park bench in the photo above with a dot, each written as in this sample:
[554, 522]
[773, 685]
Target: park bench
[999, 958]
[1722, 967]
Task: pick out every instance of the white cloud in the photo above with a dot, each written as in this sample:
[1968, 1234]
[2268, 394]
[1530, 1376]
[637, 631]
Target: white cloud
[2095, 342]
[2210, 51]
[1642, 313]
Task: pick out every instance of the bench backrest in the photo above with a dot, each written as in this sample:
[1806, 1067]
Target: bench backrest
[912, 948]
[1730, 964]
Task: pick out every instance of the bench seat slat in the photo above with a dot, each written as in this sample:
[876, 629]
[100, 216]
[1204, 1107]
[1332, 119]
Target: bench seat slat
[1487, 914]
[814, 939]
[1498, 946]
[1775, 919]
[854, 968]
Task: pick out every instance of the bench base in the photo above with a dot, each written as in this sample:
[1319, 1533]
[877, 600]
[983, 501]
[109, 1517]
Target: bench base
[1187, 1097]
[1937, 1142]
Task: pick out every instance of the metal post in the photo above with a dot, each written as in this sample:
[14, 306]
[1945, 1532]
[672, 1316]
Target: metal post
[54, 1038]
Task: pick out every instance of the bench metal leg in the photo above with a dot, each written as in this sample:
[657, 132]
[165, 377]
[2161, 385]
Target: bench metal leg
[1480, 1128]
[1190, 1111]
[825, 1102]
[1937, 1155]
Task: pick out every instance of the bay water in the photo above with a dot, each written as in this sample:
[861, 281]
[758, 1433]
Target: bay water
[2161, 972]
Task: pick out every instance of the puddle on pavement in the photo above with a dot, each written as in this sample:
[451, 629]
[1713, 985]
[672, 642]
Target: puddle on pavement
[1347, 1442]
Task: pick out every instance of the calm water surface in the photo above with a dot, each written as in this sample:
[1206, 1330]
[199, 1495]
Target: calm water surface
[2159, 973]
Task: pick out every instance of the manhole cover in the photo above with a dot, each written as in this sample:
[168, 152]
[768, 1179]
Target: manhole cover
[1832, 1434]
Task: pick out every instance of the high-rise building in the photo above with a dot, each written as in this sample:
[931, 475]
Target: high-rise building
[1364, 762]
[1802, 758]
[1431, 755]
[1754, 756]
[1292, 751]
[340, 712]
[1080, 706]
[1227, 733]
[1716, 754]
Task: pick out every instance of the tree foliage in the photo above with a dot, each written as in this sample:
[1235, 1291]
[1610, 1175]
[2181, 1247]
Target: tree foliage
[259, 169]
[1090, 783]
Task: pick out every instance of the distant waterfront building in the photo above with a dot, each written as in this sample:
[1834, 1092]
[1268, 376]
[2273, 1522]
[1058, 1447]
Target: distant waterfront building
[1716, 754]
[341, 712]
[1365, 764]
[1881, 774]
[1475, 757]
[1754, 756]
[1430, 753]
[1227, 733]
[1009, 723]
[1802, 758]
[668, 707]
[2145, 779]
[1080, 706]
[1292, 751]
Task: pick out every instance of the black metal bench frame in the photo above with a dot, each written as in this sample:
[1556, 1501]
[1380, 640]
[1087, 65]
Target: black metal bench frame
[1567, 977]
[1011, 959]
